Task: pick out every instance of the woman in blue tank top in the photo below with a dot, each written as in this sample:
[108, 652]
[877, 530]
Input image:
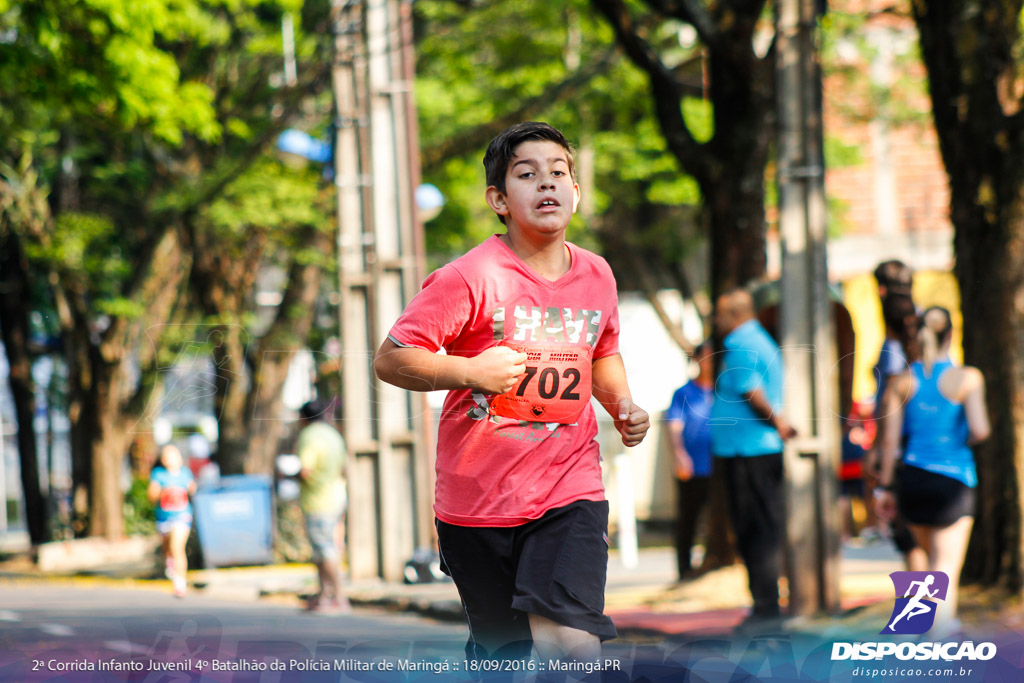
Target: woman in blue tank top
[941, 408]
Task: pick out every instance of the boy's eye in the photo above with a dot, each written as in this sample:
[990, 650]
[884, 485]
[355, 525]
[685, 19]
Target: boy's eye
[526, 174]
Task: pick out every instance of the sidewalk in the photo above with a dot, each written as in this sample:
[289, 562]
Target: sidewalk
[642, 601]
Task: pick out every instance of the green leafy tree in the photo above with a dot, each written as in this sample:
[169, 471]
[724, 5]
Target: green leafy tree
[728, 161]
[126, 120]
[639, 208]
[272, 219]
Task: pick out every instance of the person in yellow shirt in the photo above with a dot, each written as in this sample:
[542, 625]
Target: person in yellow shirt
[322, 498]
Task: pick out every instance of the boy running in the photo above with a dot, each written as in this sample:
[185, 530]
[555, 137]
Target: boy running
[530, 327]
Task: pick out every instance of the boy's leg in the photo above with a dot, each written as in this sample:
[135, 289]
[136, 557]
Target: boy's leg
[555, 641]
[481, 563]
[560, 582]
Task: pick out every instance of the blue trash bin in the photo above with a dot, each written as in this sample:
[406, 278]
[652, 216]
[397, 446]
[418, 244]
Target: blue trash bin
[235, 521]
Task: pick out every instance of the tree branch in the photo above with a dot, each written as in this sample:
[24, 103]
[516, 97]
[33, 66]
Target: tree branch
[295, 312]
[292, 101]
[693, 13]
[666, 89]
[480, 135]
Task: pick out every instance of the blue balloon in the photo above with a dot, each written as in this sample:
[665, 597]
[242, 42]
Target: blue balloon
[428, 197]
[304, 145]
[429, 201]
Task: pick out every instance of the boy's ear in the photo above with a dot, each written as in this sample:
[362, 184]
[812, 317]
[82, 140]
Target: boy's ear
[576, 197]
[496, 200]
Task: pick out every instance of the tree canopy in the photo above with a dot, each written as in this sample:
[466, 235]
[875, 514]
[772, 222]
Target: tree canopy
[127, 139]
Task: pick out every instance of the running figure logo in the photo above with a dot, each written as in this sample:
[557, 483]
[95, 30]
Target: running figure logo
[916, 593]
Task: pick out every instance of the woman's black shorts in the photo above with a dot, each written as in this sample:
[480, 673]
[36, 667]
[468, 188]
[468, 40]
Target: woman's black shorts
[929, 499]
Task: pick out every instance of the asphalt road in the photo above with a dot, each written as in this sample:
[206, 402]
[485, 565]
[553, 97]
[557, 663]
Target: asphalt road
[75, 631]
[51, 632]
[96, 632]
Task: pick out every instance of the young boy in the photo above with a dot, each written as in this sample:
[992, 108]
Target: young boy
[530, 326]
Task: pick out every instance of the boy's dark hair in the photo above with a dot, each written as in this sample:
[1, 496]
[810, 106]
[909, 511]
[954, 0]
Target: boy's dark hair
[896, 276]
[502, 150]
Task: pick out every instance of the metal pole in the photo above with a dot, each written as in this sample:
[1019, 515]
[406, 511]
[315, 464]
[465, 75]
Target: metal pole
[806, 324]
[354, 284]
[379, 252]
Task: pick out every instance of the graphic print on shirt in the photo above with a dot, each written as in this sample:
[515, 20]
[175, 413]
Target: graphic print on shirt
[556, 387]
[548, 324]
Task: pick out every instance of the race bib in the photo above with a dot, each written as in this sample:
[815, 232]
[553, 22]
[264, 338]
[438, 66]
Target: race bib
[174, 499]
[556, 386]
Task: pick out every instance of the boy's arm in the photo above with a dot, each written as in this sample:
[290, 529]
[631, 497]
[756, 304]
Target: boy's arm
[495, 370]
[612, 391]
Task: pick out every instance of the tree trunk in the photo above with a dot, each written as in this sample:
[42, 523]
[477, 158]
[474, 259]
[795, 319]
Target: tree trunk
[274, 353]
[737, 227]
[970, 57]
[82, 416]
[109, 452]
[989, 269]
[266, 428]
[14, 327]
[232, 400]
[112, 398]
[251, 373]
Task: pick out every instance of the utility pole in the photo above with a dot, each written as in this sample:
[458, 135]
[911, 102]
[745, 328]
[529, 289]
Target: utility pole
[379, 252]
[807, 331]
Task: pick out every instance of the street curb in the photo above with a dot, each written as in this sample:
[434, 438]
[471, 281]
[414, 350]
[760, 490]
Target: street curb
[442, 610]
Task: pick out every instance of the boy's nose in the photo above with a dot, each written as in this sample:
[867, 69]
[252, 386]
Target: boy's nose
[547, 183]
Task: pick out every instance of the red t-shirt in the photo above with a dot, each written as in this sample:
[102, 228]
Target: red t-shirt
[502, 471]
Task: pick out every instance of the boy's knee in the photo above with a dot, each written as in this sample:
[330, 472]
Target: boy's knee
[556, 641]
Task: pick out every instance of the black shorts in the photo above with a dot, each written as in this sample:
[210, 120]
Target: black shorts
[554, 567]
[929, 499]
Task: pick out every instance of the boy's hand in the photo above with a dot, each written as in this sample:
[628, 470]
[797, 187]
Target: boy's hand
[632, 422]
[496, 370]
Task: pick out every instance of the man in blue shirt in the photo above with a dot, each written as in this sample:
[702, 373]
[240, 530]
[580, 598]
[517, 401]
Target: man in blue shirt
[688, 417]
[747, 432]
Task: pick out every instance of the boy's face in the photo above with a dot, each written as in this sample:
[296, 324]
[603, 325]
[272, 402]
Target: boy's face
[540, 195]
